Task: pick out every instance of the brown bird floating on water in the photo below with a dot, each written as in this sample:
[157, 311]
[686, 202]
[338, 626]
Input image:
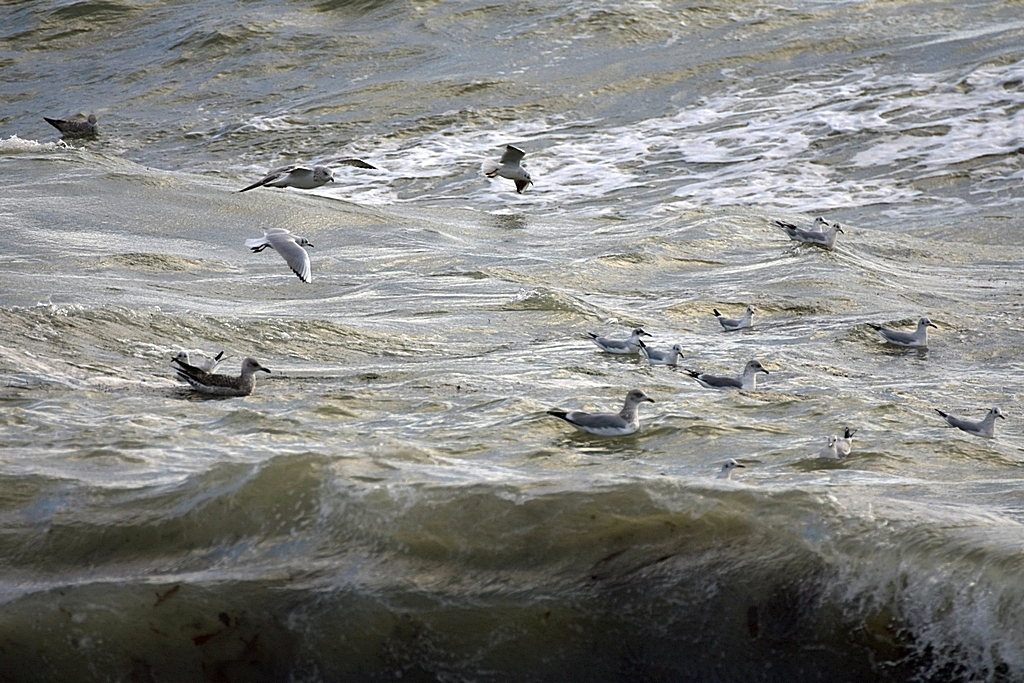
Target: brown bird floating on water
[75, 129]
[221, 385]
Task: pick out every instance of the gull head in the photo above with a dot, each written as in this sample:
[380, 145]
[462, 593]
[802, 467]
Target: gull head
[322, 174]
[303, 242]
[997, 413]
[925, 322]
[728, 467]
[755, 366]
[251, 366]
[639, 332]
[636, 397]
[678, 348]
[838, 228]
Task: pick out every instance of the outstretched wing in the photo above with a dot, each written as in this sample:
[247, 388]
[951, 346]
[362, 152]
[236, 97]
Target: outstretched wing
[272, 176]
[512, 155]
[294, 255]
[358, 163]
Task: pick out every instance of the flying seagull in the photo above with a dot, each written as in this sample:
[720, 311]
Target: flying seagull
[509, 167]
[289, 246]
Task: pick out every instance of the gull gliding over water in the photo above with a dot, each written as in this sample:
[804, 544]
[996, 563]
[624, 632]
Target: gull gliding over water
[221, 385]
[75, 129]
[289, 246]
[731, 324]
[509, 167]
[918, 337]
[622, 423]
[985, 427]
[746, 381]
[630, 345]
[301, 177]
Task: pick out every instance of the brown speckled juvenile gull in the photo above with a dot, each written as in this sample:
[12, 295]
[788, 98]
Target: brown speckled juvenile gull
[73, 128]
[221, 385]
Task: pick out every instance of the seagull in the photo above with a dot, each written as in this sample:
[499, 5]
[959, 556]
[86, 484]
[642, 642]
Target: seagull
[824, 237]
[727, 468]
[301, 177]
[918, 337]
[509, 167]
[221, 385]
[985, 428]
[730, 324]
[622, 423]
[655, 357]
[289, 246]
[840, 448]
[747, 381]
[631, 345]
[205, 364]
[75, 129]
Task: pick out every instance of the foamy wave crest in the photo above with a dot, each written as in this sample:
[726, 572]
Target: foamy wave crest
[16, 145]
[836, 140]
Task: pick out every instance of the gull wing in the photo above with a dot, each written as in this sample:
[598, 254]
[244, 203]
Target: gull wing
[273, 175]
[358, 163]
[717, 381]
[294, 255]
[512, 155]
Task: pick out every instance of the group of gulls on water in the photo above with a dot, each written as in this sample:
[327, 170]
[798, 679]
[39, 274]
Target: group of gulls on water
[200, 373]
[627, 420]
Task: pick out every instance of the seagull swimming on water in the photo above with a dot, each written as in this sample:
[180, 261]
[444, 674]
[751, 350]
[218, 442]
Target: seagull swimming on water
[73, 128]
[825, 237]
[655, 357]
[727, 468]
[731, 324]
[221, 385]
[840, 448]
[205, 364]
[622, 423]
[985, 428]
[289, 246]
[746, 381]
[631, 345]
[918, 337]
[509, 167]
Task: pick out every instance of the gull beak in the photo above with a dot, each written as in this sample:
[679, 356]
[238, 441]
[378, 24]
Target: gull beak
[1002, 416]
[739, 465]
[933, 325]
[652, 401]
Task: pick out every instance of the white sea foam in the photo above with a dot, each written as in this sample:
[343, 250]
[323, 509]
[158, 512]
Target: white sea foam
[16, 145]
[839, 140]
